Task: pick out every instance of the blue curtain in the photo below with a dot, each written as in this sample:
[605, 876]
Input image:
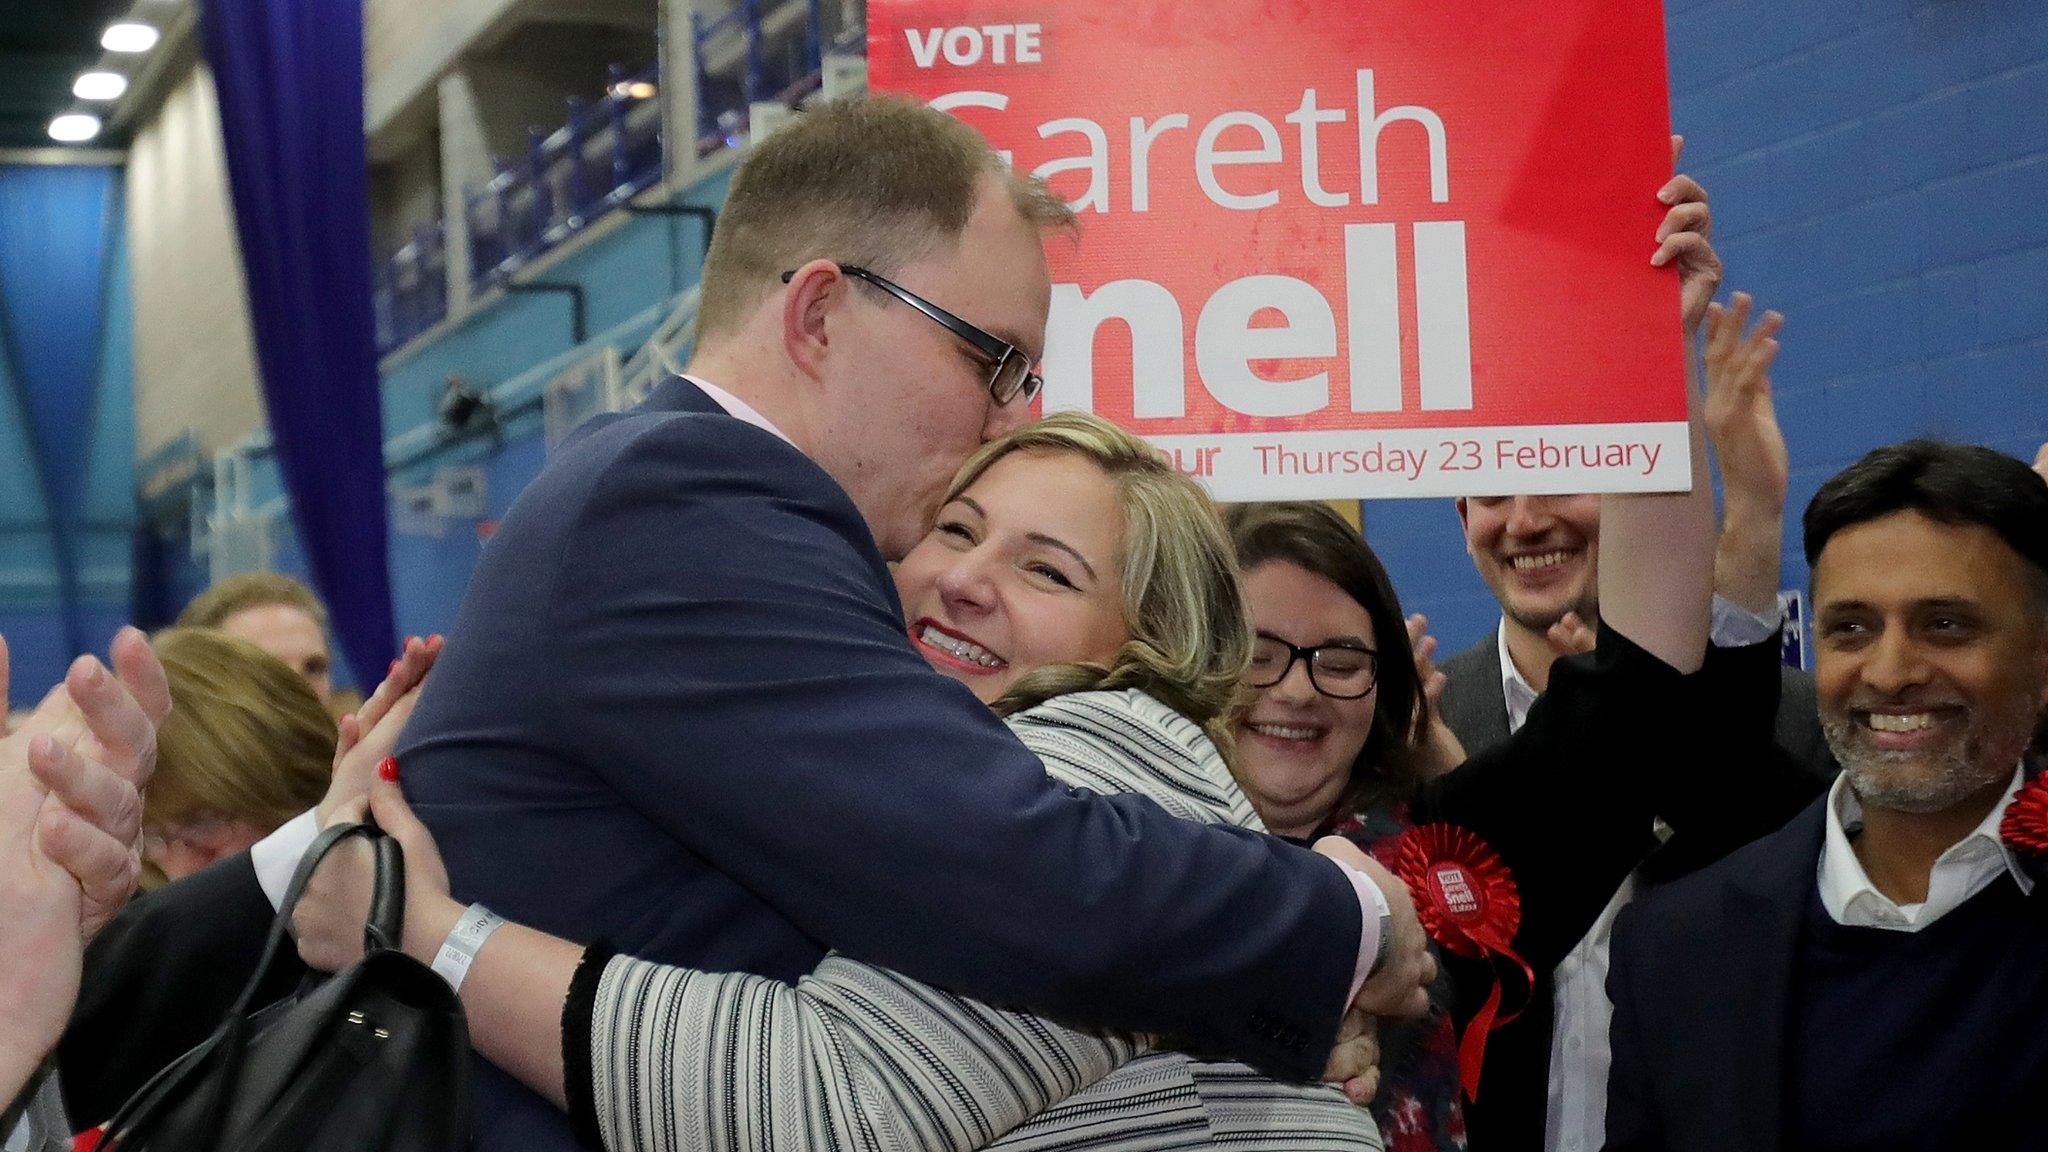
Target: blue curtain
[289, 74]
[56, 231]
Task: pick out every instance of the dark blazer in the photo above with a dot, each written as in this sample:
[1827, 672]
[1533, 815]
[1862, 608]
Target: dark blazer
[1711, 1040]
[1476, 708]
[679, 713]
[1703, 980]
[1721, 786]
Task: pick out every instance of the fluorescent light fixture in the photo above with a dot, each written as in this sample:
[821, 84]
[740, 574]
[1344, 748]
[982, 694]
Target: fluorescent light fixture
[99, 86]
[74, 128]
[128, 36]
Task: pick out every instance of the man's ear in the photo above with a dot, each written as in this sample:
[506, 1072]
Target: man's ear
[1464, 523]
[816, 291]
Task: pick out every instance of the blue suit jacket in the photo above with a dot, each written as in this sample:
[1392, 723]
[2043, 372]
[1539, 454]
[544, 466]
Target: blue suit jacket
[679, 713]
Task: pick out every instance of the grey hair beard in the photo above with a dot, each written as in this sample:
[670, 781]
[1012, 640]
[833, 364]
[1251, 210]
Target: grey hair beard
[1908, 781]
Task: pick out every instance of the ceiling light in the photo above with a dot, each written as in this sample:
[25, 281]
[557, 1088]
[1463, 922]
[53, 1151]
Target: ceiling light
[99, 86]
[74, 128]
[128, 36]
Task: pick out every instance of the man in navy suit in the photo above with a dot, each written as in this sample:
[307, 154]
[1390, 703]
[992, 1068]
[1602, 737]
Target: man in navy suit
[1875, 974]
[680, 711]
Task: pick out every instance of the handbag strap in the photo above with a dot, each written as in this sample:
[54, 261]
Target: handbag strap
[384, 931]
[387, 903]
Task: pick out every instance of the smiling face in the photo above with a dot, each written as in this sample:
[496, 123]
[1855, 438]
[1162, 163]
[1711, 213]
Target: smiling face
[1295, 746]
[1537, 554]
[1020, 571]
[1931, 659]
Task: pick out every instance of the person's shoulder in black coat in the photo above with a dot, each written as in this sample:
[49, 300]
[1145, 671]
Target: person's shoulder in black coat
[158, 980]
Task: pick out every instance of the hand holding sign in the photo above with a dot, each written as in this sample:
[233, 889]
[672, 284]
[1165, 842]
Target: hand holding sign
[1686, 236]
[1309, 233]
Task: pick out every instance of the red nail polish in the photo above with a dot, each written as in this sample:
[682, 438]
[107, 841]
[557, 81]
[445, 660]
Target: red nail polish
[387, 769]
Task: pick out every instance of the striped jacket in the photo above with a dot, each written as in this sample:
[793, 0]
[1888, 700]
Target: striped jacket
[860, 1059]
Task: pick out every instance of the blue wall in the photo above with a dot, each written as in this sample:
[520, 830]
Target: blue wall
[1876, 169]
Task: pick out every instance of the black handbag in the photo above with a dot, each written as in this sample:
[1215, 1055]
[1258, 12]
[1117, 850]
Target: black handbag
[373, 1057]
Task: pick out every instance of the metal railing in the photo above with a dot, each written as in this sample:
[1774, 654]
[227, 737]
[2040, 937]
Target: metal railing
[607, 152]
[410, 287]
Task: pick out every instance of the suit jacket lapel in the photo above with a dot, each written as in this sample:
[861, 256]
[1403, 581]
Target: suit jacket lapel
[1765, 906]
[1476, 708]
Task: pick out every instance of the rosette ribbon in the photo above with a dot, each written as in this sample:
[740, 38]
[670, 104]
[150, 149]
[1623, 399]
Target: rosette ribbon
[1467, 902]
[2025, 827]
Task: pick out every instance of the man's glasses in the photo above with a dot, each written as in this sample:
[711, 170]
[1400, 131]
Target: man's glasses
[1339, 671]
[1010, 375]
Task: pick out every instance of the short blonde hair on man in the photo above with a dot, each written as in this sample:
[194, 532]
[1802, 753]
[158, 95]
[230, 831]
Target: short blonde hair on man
[246, 590]
[876, 182]
[246, 740]
[1191, 635]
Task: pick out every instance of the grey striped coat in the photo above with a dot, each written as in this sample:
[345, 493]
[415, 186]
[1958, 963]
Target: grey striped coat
[860, 1059]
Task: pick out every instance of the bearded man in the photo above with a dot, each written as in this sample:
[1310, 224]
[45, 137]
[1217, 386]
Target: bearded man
[1876, 974]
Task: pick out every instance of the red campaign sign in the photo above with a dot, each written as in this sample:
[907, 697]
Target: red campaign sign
[1341, 249]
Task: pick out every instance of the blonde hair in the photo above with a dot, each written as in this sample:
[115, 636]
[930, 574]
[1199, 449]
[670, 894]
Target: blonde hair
[876, 182]
[246, 590]
[1191, 637]
[246, 740]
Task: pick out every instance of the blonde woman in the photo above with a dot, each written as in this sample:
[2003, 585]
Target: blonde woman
[248, 746]
[1078, 585]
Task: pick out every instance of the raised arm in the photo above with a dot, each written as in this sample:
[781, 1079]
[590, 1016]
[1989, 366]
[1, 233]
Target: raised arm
[1657, 551]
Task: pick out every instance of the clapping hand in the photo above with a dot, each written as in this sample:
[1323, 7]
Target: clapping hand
[1570, 636]
[70, 831]
[1740, 416]
[1440, 747]
[371, 734]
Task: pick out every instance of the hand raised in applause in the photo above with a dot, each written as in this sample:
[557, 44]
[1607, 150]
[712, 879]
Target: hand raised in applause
[70, 830]
[1440, 747]
[1741, 418]
[371, 735]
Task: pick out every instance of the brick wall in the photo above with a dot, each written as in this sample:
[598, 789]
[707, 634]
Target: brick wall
[1878, 171]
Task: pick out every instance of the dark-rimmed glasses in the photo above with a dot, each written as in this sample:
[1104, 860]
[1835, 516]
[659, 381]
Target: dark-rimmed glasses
[1010, 374]
[1339, 671]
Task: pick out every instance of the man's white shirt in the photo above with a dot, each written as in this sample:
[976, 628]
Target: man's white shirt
[1967, 868]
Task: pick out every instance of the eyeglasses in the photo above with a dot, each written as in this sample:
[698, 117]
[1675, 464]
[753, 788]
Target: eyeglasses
[1010, 375]
[1339, 671]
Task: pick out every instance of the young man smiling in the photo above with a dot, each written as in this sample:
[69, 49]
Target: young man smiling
[1876, 974]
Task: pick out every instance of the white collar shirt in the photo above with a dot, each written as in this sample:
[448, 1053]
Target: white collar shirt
[1967, 868]
[1513, 685]
[739, 409]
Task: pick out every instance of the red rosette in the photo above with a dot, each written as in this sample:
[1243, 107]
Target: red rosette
[2025, 827]
[1466, 899]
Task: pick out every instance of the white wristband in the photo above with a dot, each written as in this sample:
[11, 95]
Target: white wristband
[459, 950]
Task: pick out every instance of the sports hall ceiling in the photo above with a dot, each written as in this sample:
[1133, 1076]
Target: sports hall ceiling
[44, 45]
